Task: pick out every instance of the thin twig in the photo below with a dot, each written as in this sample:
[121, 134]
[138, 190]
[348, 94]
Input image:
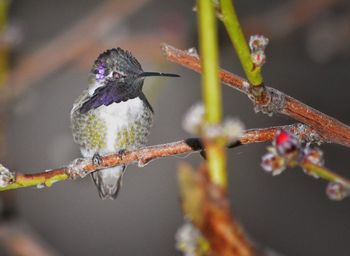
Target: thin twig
[324, 173]
[81, 167]
[328, 127]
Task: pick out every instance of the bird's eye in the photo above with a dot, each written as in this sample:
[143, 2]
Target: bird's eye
[116, 75]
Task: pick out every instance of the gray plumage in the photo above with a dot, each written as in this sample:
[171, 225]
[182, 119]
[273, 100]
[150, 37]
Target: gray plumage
[113, 115]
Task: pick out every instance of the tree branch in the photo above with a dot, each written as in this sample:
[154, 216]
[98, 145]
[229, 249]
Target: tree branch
[329, 128]
[207, 207]
[81, 167]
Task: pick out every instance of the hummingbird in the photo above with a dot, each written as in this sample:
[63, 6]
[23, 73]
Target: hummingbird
[113, 115]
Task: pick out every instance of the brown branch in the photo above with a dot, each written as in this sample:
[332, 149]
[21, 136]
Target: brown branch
[81, 167]
[208, 208]
[329, 128]
[17, 238]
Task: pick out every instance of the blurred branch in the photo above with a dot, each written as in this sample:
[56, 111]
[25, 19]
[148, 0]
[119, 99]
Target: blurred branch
[324, 173]
[7, 199]
[68, 46]
[328, 127]
[19, 239]
[207, 206]
[80, 167]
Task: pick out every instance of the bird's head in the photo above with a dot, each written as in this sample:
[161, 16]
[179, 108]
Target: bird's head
[117, 65]
[116, 76]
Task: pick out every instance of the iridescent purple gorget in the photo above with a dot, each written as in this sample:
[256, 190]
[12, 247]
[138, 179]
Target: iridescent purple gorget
[100, 72]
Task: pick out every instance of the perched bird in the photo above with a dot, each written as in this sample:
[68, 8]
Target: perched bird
[113, 115]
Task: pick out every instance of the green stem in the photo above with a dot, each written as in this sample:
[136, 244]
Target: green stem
[28, 180]
[208, 47]
[4, 50]
[234, 30]
[324, 173]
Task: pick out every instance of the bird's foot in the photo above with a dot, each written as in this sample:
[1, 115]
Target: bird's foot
[121, 153]
[97, 159]
[203, 154]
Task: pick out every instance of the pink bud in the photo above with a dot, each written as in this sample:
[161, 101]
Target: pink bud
[285, 143]
[258, 43]
[336, 191]
[273, 163]
[313, 155]
[258, 58]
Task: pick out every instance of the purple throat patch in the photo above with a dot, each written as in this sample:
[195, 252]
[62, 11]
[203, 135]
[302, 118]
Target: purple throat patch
[100, 72]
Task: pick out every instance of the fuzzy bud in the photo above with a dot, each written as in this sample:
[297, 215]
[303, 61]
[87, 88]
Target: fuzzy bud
[313, 155]
[194, 118]
[336, 191]
[232, 129]
[258, 58]
[213, 131]
[190, 241]
[273, 164]
[6, 177]
[286, 144]
[258, 43]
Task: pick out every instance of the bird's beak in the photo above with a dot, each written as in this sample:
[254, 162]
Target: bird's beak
[146, 74]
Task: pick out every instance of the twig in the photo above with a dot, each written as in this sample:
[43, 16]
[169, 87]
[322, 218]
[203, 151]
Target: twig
[81, 167]
[207, 207]
[329, 128]
[324, 173]
[287, 152]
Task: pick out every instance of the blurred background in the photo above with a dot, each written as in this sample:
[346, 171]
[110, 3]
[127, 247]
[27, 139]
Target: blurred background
[46, 51]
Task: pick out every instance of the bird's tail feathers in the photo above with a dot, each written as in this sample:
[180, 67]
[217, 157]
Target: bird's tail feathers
[109, 181]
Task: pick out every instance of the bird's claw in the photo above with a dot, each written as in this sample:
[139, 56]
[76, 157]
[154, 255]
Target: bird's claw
[121, 153]
[97, 159]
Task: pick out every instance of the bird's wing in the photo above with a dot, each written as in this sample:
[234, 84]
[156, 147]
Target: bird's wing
[112, 92]
[144, 99]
